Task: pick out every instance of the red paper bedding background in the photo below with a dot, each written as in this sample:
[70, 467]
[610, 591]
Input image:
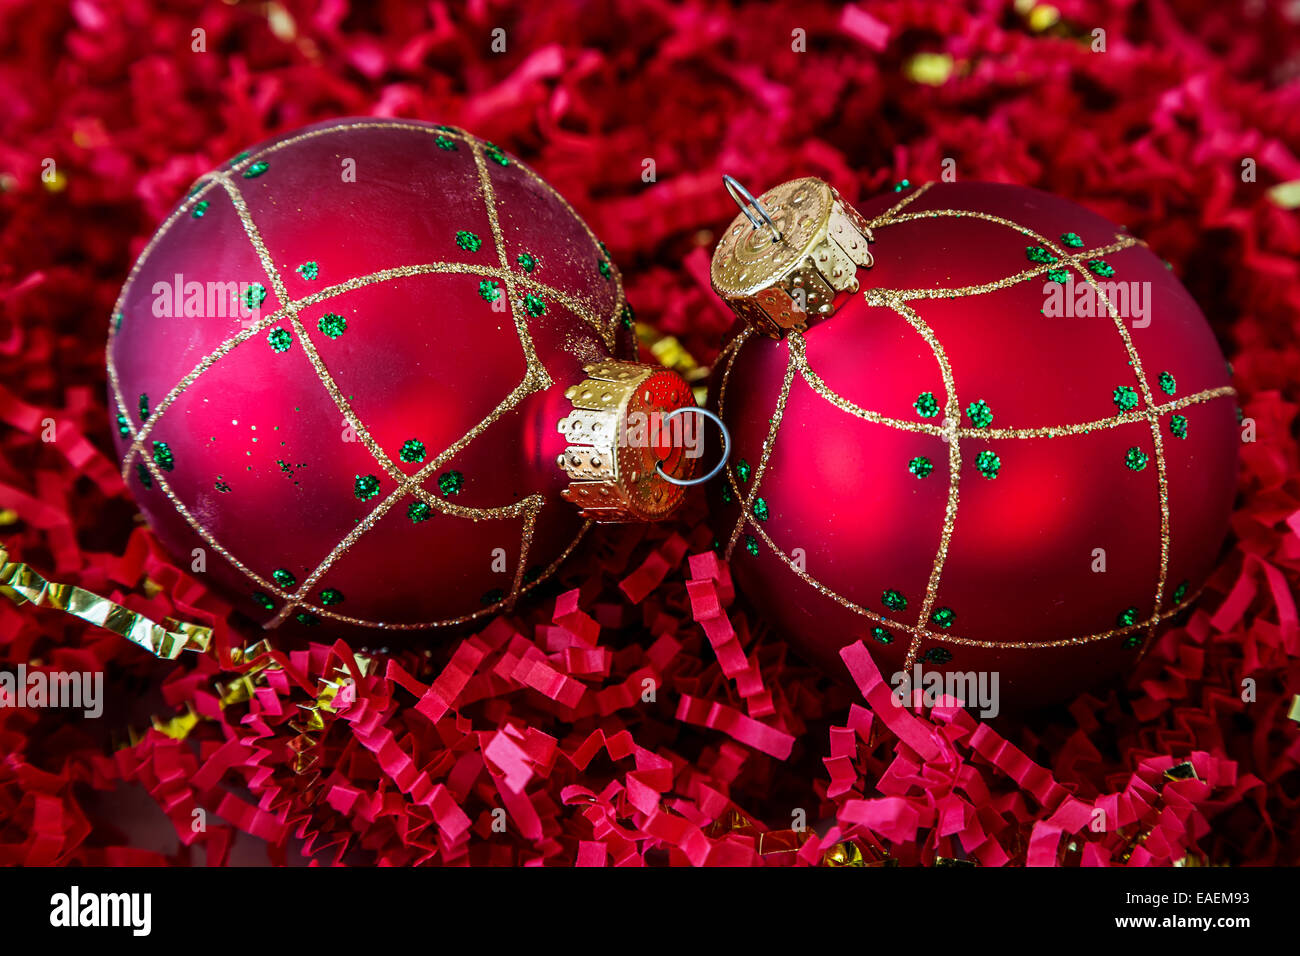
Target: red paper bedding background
[538, 720]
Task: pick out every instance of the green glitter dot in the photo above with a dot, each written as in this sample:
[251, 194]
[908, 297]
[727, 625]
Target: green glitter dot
[255, 295]
[489, 290]
[980, 414]
[332, 324]
[241, 157]
[283, 577]
[443, 142]
[893, 600]
[117, 321]
[1180, 592]
[942, 617]
[419, 511]
[1125, 398]
[450, 483]
[926, 405]
[988, 464]
[532, 574]
[255, 170]
[309, 270]
[920, 466]
[1135, 458]
[144, 406]
[162, 456]
[1072, 239]
[726, 494]
[123, 426]
[331, 596]
[468, 241]
[882, 636]
[263, 600]
[1127, 617]
[1167, 383]
[603, 266]
[534, 305]
[494, 153]
[743, 470]
[280, 340]
[142, 473]
[1059, 275]
[760, 509]
[200, 208]
[629, 317]
[1099, 267]
[938, 655]
[221, 486]
[1038, 254]
[527, 260]
[751, 544]
[1132, 641]
[1178, 426]
[365, 487]
[495, 596]
[904, 184]
[306, 617]
[412, 450]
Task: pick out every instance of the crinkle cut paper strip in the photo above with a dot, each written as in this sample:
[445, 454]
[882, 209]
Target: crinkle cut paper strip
[637, 713]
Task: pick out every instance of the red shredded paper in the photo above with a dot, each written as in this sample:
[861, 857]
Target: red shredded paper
[632, 713]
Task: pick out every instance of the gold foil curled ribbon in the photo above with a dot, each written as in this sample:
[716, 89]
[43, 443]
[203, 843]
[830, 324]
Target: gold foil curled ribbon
[21, 584]
[769, 843]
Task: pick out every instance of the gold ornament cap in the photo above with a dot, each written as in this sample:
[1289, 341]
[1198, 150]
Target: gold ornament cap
[788, 253]
[624, 461]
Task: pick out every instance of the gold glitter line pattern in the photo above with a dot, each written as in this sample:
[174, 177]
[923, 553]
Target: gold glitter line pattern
[895, 299]
[775, 426]
[529, 507]
[923, 633]
[297, 305]
[580, 305]
[952, 411]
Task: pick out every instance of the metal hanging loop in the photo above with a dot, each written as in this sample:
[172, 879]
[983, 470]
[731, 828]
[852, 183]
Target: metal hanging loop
[746, 201]
[726, 446]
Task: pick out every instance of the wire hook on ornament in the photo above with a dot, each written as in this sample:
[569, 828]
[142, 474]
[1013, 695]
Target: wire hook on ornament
[726, 446]
[748, 201]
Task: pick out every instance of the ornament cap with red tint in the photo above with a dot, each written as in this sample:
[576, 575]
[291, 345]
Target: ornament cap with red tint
[623, 439]
[787, 264]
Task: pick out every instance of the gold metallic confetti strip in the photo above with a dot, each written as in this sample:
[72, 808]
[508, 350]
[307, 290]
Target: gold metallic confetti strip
[896, 299]
[21, 584]
[536, 377]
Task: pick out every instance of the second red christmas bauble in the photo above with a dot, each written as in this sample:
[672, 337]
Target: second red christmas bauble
[989, 432]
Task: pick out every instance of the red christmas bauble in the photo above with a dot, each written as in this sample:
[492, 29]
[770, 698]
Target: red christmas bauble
[338, 368]
[1008, 444]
